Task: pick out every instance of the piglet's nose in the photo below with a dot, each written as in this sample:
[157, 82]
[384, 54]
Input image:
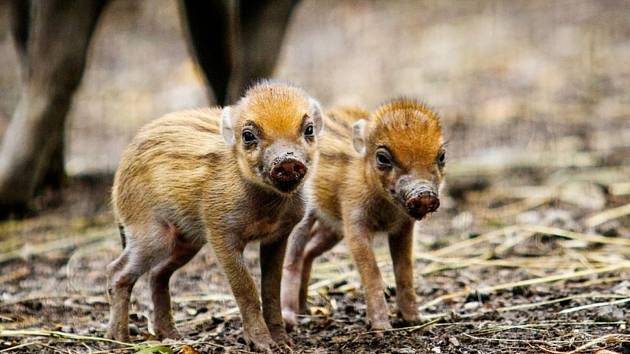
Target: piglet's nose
[422, 204]
[288, 170]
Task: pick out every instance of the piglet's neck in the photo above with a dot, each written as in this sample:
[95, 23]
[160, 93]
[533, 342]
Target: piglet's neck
[266, 194]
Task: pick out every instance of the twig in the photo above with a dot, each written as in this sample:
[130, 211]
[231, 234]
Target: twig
[597, 281]
[597, 304]
[470, 243]
[326, 282]
[550, 302]
[17, 274]
[69, 242]
[516, 207]
[513, 340]
[39, 297]
[205, 298]
[619, 338]
[607, 215]
[528, 282]
[58, 334]
[229, 313]
[409, 328]
[575, 235]
[621, 188]
[18, 346]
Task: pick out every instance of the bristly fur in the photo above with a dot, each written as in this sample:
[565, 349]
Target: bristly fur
[182, 182]
[276, 106]
[354, 197]
[405, 103]
[274, 84]
[410, 129]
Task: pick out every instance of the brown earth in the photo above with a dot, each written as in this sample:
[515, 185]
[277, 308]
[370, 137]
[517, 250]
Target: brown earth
[525, 255]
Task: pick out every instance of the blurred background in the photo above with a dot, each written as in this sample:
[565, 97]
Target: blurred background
[535, 99]
[501, 73]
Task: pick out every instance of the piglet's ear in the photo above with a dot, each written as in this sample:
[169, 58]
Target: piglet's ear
[227, 126]
[359, 136]
[315, 111]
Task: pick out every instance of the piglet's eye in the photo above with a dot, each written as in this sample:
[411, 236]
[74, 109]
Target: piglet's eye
[248, 137]
[441, 160]
[383, 160]
[309, 132]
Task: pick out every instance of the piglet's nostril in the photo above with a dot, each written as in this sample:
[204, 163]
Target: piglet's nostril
[288, 170]
[423, 203]
[430, 202]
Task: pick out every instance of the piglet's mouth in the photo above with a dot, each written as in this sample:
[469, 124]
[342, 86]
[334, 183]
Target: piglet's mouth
[287, 187]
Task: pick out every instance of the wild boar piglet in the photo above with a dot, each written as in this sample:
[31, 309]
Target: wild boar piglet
[377, 173]
[228, 176]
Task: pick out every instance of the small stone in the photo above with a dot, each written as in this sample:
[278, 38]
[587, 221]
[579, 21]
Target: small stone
[436, 350]
[583, 194]
[471, 306]
[559, 218]
[404, 350]
[453, 341]
[463, 220]
[67, 329]
[191, 311]
[622, 288]
[478, 295]
[609, 314]
[606, 351]
[608, 229]
[529, 217]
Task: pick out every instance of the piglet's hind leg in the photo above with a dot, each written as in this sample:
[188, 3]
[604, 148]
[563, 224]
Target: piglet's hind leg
[122, 277]
[159, 277]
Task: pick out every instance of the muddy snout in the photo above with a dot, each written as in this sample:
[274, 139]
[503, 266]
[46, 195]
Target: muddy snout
[287, 173]
[421, 203]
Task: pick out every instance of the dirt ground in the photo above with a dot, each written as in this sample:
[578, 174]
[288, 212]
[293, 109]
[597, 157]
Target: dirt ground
[528, 253]
[495, 272]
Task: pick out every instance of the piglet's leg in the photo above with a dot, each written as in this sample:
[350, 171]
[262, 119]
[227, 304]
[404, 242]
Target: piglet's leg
[323, 240]
[159, 276]
[292, 279]
[122, 276]
[230, 255]
[271, 257]
[359, 241]
[401, 250]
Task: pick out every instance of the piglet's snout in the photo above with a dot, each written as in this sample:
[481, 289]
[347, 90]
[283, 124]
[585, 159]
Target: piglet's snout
[422, 203]
[288, 173]
[288, 170]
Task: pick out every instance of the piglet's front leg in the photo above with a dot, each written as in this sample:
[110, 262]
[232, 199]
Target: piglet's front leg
[271, 259]
[230, 256]
[359, 240]
[401, 250]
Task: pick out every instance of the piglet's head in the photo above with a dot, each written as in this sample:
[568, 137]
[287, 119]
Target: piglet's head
[404, 154]
[274, 130]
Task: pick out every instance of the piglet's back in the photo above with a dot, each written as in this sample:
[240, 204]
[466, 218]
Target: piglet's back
[335, 156]
[167, 161]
